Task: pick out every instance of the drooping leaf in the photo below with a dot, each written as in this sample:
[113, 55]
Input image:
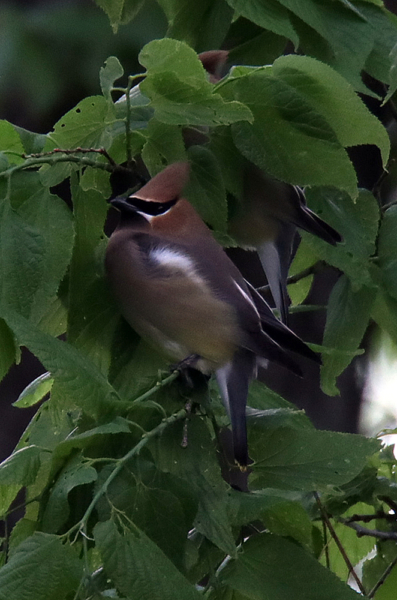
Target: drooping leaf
[357, 222]
[334, 98]
[387, 249]
[120, 11]
[79, 380]
[289, 138]
[347, 320]
[74, 474]
[206, 189]
[269, 15]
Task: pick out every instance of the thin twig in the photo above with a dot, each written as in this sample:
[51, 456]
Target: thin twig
[312, 270]
[380, 514]
[383, 578]
[157, 431]
[364, 531]
[174, 375]
[69, 151]
[339, 544]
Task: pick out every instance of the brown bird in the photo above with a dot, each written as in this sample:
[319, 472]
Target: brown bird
[269, 212]
[179, 290]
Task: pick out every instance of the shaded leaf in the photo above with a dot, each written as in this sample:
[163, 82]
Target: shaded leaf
[289, 138]
[138, 567]
[305, 459]
[41, 568]
[348, 315]
[268, 567]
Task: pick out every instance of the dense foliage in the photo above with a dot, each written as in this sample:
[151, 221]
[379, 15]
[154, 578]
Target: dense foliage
[125, 496]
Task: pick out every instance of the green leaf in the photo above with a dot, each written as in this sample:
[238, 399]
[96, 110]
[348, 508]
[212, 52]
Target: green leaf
[393, 75]
[384, 26]
[74, 474]
[384, 313]
[349, 35]
[21, 467]
[206, 190]
[289, 138]
[87, 125]
[304, 258]
[162, 505]
[347, 320]
[356, 547]
[164, 146]
[10, 142]
[8, 349]
[79, 380]
[269, 15]
[197, 464]
[20, 278]
[92, 316]
[52, 220]
[138, 567]
[357, 222]
[334, 98]
[41, 568]
[109, 74]
[177, 85]
[305, 459]
[35, 391]
[120, 12]
[387, 249]
[267, 568]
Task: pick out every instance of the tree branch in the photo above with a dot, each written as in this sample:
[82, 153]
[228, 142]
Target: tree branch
[362, 531]
[339, 544]
[312, 270]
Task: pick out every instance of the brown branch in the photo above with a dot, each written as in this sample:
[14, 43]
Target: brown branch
[380, 514]
[383, 578]
[362, 531]
[73, 151]
[339, 544]
[312, 270]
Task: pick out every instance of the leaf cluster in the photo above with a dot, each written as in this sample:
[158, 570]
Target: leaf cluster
[127, 493]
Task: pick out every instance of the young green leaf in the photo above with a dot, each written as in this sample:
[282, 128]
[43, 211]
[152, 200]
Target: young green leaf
[35, 391]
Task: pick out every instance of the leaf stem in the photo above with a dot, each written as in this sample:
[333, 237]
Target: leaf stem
[174, 375]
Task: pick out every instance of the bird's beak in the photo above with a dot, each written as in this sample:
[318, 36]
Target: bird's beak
[122, 204]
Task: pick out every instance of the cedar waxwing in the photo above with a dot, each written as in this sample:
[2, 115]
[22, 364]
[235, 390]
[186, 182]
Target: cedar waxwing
[178, 289]
[269, 212]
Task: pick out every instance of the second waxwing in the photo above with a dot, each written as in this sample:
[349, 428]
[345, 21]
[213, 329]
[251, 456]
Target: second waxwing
[269, 212]
[178, 289]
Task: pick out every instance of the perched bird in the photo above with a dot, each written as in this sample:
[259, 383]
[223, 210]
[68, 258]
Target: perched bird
[269, 212]
[266, 220]
[179, 290]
